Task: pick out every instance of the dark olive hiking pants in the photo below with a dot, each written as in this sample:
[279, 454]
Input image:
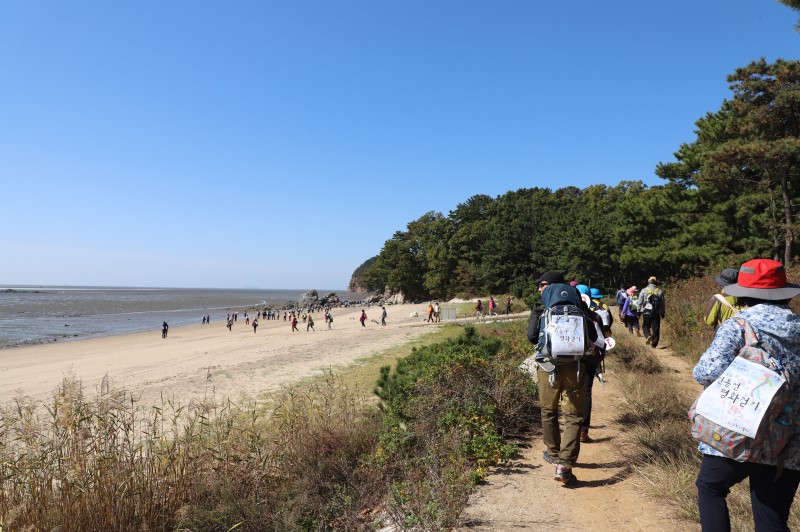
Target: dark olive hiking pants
[567, 390]
[651, 327]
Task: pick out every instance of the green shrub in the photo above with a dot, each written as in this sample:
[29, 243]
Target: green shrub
[448, 409]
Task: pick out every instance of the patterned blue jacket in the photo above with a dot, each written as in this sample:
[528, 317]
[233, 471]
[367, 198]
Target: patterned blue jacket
[778, 326]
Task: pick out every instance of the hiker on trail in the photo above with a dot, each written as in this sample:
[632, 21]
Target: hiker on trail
[602, 310]
[764, 293]
[430, 312]
[652, 309]
[562, 385]
[492, 306]
[383, 315]
[620, 298]
[437, 316]
[479, 310]
[592, 364]
[509, 304]
[630, 314]
[363, 318]
[720, 307]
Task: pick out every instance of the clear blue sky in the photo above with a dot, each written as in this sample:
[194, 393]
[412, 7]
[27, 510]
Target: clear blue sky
[278, 144]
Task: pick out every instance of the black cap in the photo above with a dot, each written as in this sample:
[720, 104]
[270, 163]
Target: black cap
[727, 277]
[551, 278]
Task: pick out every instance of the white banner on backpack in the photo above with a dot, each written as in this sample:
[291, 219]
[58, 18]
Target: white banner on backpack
[740, 397]
[566, 336]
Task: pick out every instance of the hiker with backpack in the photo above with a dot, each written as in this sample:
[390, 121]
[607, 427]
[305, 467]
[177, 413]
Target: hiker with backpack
[620, 298]
[562, 333]
[594, 360]
[721, 307]
[652, 309]
[768, 327]
[602, 310]
[630, 311]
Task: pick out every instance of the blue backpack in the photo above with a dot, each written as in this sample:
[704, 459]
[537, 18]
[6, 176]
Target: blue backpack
[563, 327]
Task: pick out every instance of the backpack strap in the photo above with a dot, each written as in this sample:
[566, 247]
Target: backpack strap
[751, 338]
[723, 301]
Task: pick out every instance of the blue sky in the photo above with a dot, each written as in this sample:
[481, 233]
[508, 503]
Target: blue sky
[197, 143]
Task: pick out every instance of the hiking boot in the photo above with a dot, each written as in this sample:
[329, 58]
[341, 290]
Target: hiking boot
[649, 339]
[638, 333]
[564, 475]
[585, 437]
[547, 458]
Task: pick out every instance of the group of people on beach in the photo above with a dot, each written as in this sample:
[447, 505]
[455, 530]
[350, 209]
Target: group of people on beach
[291, 316]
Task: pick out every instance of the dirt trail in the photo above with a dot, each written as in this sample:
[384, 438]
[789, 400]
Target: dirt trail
[523, 495]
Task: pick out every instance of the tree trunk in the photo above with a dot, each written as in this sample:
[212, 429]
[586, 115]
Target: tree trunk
[788, 218]
[776, 241]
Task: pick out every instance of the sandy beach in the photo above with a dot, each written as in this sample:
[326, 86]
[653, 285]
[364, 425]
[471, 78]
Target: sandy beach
[199, 360]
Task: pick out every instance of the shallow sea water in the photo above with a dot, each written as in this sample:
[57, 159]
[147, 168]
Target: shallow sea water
[38, 314]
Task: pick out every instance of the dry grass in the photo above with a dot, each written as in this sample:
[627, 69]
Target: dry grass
[656, 440]
[107, 462]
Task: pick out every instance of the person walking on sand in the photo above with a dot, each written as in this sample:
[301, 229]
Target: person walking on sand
[363, 318]
[294, 324]
[230, 324]
[329, 317]
[164, 329]
[383, 315]
[310, 324]
[255, 325]
[764, 293]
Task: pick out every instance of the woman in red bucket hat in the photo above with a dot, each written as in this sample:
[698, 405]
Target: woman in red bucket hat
[764, 293]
